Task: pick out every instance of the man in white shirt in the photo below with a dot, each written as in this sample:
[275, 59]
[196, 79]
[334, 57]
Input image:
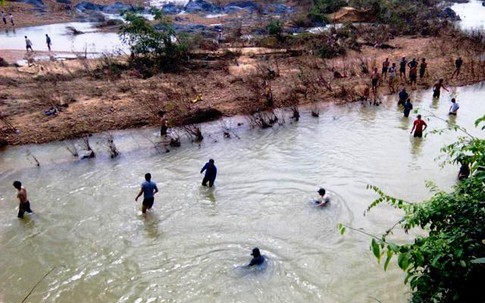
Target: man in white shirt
[454, 107]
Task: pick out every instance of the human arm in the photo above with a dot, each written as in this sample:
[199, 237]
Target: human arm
[425, 125]
[204, 168]
[139, 194]
[155, 190]
[414, 126]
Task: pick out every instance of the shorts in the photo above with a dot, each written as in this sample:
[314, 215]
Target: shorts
[418, 134]
[384, 70]
[209, 179]
[412, 77]
[24, 207]
[374, 82]
[421, 73]
[436, 94]
[148, 202]
[402, 70]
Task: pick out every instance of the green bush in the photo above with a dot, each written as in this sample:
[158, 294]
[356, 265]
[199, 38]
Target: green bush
[445, 264]
[159, 43]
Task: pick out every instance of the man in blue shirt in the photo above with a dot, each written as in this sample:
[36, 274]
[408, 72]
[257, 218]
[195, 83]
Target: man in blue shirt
[210, 173]
[257, 259]
[148, 189]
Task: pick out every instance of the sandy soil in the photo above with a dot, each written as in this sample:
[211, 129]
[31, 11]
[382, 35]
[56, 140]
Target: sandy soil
[92, 102]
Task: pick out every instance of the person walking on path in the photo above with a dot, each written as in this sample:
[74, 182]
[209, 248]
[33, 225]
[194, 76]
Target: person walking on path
[422, 68]
[402, 68]
[385, 68]
[418, 127]
[24, 204]
[28, 44]
[48, 41]
[4, 18]
[210, 173]
[437, 88]
[375, 77]
[392, 78]
[11, 19]
[454, 107]
[148, 189]
[458, 64]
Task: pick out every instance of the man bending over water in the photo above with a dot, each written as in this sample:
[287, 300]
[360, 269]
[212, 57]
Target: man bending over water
[24, 204]
[148, 189]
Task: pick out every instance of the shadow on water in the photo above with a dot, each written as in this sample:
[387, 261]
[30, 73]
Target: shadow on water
[435, 103]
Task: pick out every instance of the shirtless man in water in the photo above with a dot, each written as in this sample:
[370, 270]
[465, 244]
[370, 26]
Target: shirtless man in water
[24, 204]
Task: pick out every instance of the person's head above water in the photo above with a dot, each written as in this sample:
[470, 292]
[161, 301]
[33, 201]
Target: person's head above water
[419, 117]
[256, 253]
[148, 176]
[17, 184]
[25, 37]
[453, 100]
[211, 161]
[321, 191]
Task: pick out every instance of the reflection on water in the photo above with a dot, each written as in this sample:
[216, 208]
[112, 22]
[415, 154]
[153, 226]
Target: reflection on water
[185, 250]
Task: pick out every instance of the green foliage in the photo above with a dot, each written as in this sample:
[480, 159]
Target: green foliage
[446, 265]
[158, 43]
[275, 27]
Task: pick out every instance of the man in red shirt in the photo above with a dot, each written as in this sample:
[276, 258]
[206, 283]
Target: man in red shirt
[418, 127]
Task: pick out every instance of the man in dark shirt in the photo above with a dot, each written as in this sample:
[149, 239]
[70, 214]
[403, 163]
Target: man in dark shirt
[408, 106]
[148, 189]
[464, 171]
[402, 68]
[458, 64]
[258, 259]
[403, 96]
[210, 173]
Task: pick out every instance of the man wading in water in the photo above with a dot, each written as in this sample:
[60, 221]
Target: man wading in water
[210, 173]
[419, 125]
[437, 88]
[148, 189]
[24, 204]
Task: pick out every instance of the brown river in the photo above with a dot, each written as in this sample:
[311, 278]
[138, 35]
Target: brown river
[88, 233]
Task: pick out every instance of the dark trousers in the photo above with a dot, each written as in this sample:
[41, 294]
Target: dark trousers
[208, 179]
[24, 207]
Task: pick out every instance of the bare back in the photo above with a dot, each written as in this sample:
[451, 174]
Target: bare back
[22, 195]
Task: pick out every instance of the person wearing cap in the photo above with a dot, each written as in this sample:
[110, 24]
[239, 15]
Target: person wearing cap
[258, 259]
[210, 173]
[322, 201]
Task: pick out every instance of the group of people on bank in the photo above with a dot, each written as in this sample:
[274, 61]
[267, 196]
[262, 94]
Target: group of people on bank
[29, 44]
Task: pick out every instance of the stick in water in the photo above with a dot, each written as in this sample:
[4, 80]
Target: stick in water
[52, 269]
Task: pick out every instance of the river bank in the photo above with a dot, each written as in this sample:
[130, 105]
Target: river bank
[89, 102]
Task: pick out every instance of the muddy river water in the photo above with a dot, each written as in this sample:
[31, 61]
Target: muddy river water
[89, 231]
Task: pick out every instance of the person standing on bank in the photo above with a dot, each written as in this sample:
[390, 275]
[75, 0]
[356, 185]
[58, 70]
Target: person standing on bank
[210, 173]
[28, 44]
[48, 41]
[458, 64]
[419, 126]
[24, 204]
[148, 189]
